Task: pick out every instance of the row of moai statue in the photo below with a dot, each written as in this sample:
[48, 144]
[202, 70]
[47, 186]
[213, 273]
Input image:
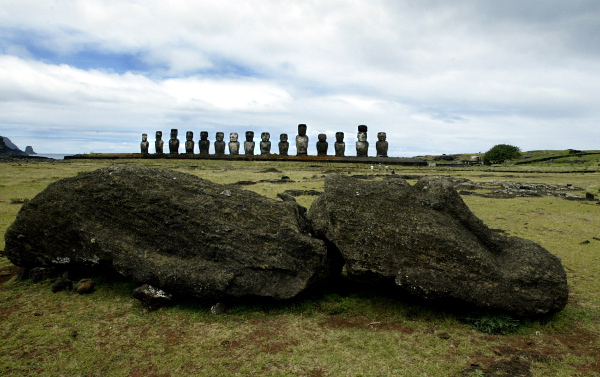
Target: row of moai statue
[362, 145]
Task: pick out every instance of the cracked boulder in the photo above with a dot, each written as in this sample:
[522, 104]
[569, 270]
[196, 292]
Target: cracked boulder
[424, 239]
[174, 231]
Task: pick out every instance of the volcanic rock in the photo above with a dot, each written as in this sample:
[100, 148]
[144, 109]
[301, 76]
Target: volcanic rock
[172, 230]
[151, 298]
[425, 239]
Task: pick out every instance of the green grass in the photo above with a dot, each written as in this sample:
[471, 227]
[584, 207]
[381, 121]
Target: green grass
[335, 332]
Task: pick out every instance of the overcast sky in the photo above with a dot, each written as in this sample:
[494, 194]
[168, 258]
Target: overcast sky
[436, 76]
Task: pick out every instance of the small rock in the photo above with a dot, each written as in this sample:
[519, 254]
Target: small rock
[38, 274]
[589, 196]
[585, 242]
[444, 335]
[218, 308]
[74, 334]
[61, 284]
[151, 298]
[286, 197]
[226, 193]
[22, 274]
[85, 286]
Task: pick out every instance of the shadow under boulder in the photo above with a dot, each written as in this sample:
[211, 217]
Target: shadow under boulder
[425, 239]
[174, 231]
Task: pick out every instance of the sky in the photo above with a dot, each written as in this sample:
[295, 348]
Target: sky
[83, 76]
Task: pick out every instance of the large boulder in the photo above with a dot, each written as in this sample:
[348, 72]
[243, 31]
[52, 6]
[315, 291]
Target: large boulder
[425, 239]
[172, 230]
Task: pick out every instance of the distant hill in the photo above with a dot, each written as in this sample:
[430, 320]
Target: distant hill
[8, 148]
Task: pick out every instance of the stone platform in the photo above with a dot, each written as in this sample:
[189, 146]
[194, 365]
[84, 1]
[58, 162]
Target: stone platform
[266, 157]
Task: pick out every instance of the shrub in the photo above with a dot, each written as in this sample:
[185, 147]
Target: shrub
[500, 153]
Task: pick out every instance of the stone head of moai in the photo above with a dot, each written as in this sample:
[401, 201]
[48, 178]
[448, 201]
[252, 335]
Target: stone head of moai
[144, 137]
[189, 135]
[362, 136]
[158, 135]
[381, 136]
[362, 128]
[249, 135]
[339, 137]
[302, 129]
[283, 137]
[203, 135]
[220, 136]
[233, 136]
[174, 133]
[265, 136]
[322, 137]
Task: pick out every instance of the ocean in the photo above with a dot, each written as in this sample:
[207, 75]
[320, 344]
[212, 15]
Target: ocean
[56, 156]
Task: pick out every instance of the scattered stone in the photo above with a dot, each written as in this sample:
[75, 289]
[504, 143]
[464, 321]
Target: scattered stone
[596, 238]
[74, 334]
[61, 284]
[151, 298]
[218, 309]
[226, 192]
[424, 239]
[286, 197]
[589, 196]
[444, 335]
[85, 286]
[22, 274]
[174, 231]
[585, 242]
[245, 183]
[38, 274]
[270, 170]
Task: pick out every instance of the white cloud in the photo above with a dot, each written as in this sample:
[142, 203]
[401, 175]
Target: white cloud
[439, 77]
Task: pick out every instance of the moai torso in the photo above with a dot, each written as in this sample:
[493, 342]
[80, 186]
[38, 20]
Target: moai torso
[159, 143]
[189, 142]
[265, 144]
[204, 143]
[249, 143]
[144, 145]
[381, 145]
[174, 142]
[362, 145]
[284, 145]
[234, 144]
[219, 143]
[322, 145]
[301, 141]
[339, 146]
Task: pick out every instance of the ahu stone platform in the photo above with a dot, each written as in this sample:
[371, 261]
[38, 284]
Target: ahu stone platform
[263, 157]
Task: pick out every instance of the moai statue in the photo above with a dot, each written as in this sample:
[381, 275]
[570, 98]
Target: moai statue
[204, 143]
[322, 145]
[144, 145]
[234, 144]
[265, 144]
[284, 145]
[174, 142]
[340, 146]
[381, 145]
[189, 142]
[362, 145]
[219, 143]
[301, 141]
[249, 143]
[159, 143]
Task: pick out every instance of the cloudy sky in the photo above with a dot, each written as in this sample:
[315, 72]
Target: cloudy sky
[81, 76]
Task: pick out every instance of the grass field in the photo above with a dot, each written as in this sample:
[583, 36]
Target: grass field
[343, 331]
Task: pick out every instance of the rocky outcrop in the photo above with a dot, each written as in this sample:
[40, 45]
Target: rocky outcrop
[174, 231]
[7, 148]
[29, 150]
[424, 239]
